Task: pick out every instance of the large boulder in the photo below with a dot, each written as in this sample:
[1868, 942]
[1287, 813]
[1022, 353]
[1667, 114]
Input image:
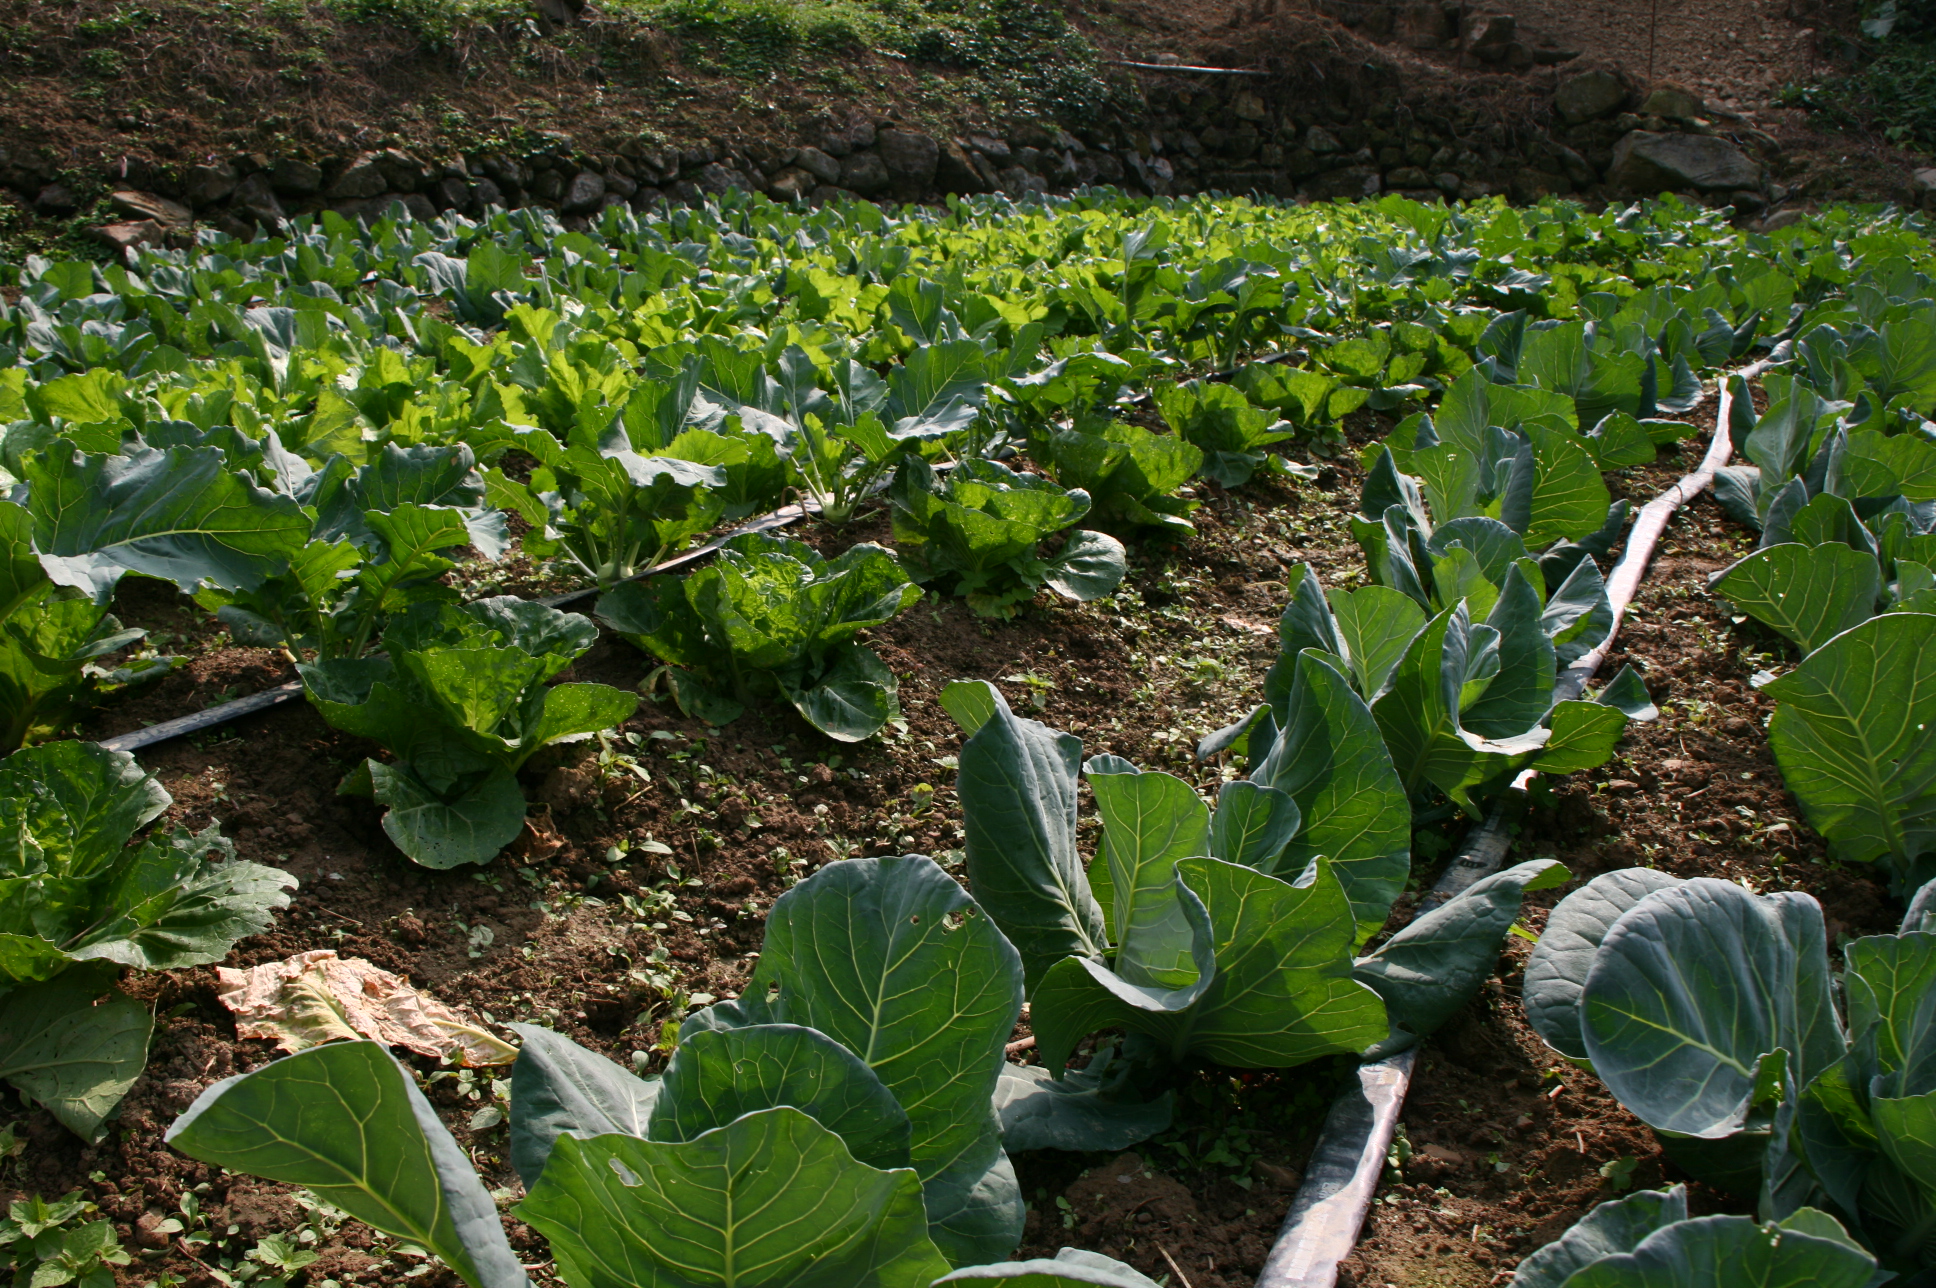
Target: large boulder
[791, 184]
[1589, 96]
[205, 185]
[585, 192]
[360, 179]
[955, 171]
[254, 196]
[1647, 162]
[1922, 189]
[865, 173]
[1673, 103]
[146, 206]
[295, 178]
[910, 158]
[818, 164]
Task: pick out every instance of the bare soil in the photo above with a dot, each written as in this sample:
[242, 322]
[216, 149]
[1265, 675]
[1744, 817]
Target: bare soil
[1508, 1144]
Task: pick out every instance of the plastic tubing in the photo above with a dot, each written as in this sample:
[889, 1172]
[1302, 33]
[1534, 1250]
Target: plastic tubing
[1329, 1209]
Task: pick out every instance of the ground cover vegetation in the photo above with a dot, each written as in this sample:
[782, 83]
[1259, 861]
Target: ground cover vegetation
[340, 442]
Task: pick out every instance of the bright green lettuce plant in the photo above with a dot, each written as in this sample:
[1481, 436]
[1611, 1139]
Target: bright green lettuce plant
[1647, 1240]
[1132, 476]
[1851, 734]
[50, 638]
[772, 613]
[983, 524]
[1231, 433]
[459, 697]
[382, 535]
[78, 904]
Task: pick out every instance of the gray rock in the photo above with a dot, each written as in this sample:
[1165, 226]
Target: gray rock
[417, 205]
[646, 198]
[404, 172]
[1577, 169]
[586, 191]
[453, 194]
[1422, 26]
[549, 185]
[124, 237]
[205, 185]
[1320, 140]
[1922, 189]
[861, 134]
[1589, 96]
[362, 179]
[293, 178]
[818, 164]
[1673, 103]
[791, 184]
[1488, 34]
[1408, 176]
[1447, 183]
[955, 171]
[865, 173]
[1349, 183]
[57, 200]
[1646, 162]
[486, 193]
[991, 177]
[146, 206]
[1780, 219]
[717, 179]
[1246, 106]
[254, 196]
[910, 158]
[994, 149]
[1016, 181]
[1034, 160]
[623, 185]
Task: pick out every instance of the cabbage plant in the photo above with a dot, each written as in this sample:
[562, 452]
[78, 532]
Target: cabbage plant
[1220, 934]
[984, 525]
[1464, 695]
[1746, 1067]
[771, 613]
[836, 1125]
[459, 698]
[78, 904]
[1647, 1240]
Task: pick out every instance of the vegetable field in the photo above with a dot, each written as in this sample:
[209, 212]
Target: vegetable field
[855, 747]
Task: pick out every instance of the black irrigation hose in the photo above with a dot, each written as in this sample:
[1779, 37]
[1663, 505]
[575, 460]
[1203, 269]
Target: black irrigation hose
[1329, 1210]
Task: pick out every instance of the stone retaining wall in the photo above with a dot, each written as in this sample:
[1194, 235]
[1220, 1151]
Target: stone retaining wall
[1591, 135]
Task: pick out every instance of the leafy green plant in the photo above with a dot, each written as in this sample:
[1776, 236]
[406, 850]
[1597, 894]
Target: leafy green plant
[1745, 1068]
[1178, 931]
[1648, 1241]
[77, 904]
[1130, 474]
[1462, 705]
[769, 1139]
[46, 1250]
[383, 535]
[1231, 433]
[984, 524]
[769, 610]
[1850, 733]
[460, 699]
[49, 639]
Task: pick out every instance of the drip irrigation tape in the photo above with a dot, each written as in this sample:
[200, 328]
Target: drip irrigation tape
[1329, 1209]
